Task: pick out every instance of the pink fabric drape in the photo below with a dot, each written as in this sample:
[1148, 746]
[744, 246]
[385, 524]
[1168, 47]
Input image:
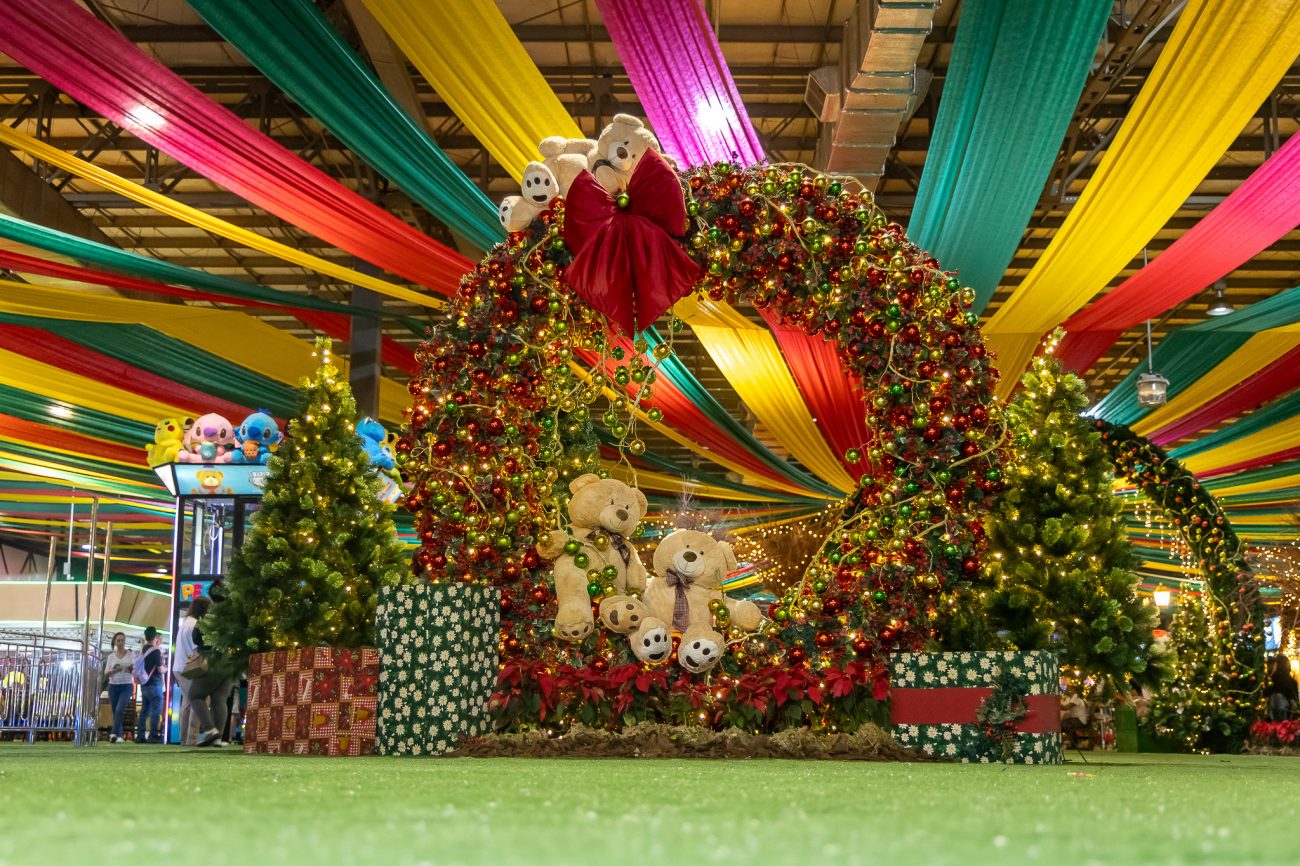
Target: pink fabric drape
[1257, 213]
[1278, 378]
[74, 51]
[833, 396]
[678, 71]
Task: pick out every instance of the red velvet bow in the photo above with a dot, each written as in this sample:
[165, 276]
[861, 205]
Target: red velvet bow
[627, 262]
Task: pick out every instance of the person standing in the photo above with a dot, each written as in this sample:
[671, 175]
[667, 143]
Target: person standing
[198, 675]
[1282, 691]
[151, 689]
[117, 671]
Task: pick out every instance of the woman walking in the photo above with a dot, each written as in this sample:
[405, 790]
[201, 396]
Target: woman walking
[117, 670]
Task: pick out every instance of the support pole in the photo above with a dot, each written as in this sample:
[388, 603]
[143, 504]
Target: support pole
[82, 738]
[365, 347]
[35, 681]
[103, 584]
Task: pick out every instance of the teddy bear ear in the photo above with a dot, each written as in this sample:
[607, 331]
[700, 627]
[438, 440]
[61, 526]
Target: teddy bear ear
[729, 556]
[640, 497]
[628, 120]
[583, 481]
[552, 146]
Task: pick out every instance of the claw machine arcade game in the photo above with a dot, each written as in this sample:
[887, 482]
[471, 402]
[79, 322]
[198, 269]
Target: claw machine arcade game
[214, 505]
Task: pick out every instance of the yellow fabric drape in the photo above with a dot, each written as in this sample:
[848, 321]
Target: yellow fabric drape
[229, 334]
[196, 217]
[18, 371]
[1265, 486]
[650, 480]
[1221, 62]
[755, 368]
[1256, 354]
[1279, 437]
[468, 52]
[752, 362]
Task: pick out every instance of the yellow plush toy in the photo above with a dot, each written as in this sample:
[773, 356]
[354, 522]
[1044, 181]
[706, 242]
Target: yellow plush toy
[689, 569]
[619, 149]
[603, 515]
[168, 439]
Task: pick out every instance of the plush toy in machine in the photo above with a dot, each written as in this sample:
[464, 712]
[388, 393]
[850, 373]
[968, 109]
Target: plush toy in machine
[596, 547]
[683, 595]
[258, 437]
[374, 439]
[168, 440]
[210, 440]
[619, 149]
[566, 158]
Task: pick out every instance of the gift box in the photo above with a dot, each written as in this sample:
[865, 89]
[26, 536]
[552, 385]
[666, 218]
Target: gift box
[978, 707]
[314, 701]
[438, 645]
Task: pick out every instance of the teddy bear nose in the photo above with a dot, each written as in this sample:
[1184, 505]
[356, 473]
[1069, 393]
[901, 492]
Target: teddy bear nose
[689, 556]
[622, 152]
[621, 514]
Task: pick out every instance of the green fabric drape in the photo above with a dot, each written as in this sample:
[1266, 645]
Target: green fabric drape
[293, 45]
[1265, 416]
[1017, 69]
[684, 380]
[1189, 353]
[87, 422]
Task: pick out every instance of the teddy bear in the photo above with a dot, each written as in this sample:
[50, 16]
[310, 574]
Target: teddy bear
[619, 148]
[566, 158]
[209, 483]
[603, 515]
[686, 587]
[257, 436]
[516, 214]
[210, 440]
[168, 440]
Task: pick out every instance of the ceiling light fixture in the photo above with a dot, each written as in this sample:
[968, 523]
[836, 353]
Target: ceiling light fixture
[1220, 307]
[1151, 386]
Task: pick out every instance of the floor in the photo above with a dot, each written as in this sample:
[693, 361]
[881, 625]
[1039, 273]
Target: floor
[135, 804]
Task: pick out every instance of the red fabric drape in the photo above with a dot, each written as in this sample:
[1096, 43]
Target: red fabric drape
[833, 395]
[1264, 208]
[334, 324]
[74, 358]
[1278, 378]
[74, 51]
[39, 434]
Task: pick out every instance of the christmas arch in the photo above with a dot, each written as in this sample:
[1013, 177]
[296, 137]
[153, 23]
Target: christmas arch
[504, 417]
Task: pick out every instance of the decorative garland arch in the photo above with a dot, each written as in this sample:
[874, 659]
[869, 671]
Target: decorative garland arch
[502, 420]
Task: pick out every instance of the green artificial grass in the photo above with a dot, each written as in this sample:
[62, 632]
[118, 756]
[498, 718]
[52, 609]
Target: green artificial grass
[132, 804]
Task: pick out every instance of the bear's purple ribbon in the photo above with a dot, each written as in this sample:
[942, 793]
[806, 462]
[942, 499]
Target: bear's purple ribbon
[617, 540]
[681, 606]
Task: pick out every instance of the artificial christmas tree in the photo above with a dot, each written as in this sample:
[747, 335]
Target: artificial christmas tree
[1061, 574]
[323, 542]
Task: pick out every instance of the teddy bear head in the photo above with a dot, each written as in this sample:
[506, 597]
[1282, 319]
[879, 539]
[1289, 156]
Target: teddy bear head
[261, 428]
[621, 146]
[516, 214]
[539, 185]
[171, 429]
[209, 479]
[697, 555]
[606, 503]
[212, 428]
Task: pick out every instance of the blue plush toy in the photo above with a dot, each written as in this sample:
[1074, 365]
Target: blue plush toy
[257, 436]
[373, 435]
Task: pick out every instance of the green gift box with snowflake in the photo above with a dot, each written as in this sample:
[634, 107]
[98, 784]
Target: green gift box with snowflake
[438, 649]
[978, 707]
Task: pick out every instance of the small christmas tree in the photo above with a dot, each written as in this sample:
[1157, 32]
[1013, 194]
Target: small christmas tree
[1062, 570]
[323, 542]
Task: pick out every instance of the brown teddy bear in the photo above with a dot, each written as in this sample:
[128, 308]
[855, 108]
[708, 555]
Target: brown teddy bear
[603, 515]
[566, 158]
[681, 596]
[619, 148]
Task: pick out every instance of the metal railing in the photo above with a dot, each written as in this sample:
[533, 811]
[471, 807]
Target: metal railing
[49, 685]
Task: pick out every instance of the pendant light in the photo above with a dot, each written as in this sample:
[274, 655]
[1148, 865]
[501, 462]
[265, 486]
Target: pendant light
[1151, 386]
[1220, 307]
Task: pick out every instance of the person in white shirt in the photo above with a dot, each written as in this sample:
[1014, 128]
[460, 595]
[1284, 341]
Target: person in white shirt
[197, 687]
[117, 671]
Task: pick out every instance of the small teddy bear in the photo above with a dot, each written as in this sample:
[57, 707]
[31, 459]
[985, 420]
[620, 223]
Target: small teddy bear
[603, 515]
[619, 148]
[168, 440]
[210, 440]
[689, 569]
[566, 158]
